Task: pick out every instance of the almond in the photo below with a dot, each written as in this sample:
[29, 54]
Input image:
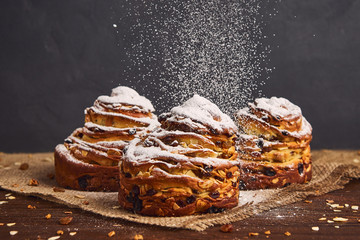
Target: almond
[112, 233]
[65, 220]
[226, 228]
[33, 182]
[24, 166]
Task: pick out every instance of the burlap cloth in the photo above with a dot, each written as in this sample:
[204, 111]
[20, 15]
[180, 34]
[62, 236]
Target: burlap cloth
[331, 171]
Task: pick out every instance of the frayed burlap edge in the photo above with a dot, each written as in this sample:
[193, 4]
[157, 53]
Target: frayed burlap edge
[331, 171]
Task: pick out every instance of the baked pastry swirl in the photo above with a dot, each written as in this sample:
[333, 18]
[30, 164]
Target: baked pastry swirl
[187, 166]
[89, 158]
[274, 144]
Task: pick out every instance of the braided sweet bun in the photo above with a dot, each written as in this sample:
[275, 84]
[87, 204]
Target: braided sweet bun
[89, 158]
[274, 144]
[187, 166]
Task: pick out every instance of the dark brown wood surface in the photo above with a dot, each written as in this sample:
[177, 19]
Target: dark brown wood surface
[298, 219]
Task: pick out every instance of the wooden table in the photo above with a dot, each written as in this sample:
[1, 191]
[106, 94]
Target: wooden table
[298, 219]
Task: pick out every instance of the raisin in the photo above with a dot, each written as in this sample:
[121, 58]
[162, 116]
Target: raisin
[132, 131]
[229, 174]
[234, 184]
[269, 172]
[125, 149]
[135, 190]
[151, 192]
[208, 168]
[80, 135]
[127, 175]
[213, 209]
[174, 143]
[163, 116]
[301, 168]
[190, 199]
[242, 185]
[214, 194]
[134, 199]
[265, 118]
[180, 203]
[129, 198]
[213, 131]
[285, 133]
[137, 205]
[83, 181]
[260, 143]
[195, 191]
[287, 184]
[68, 141]
[278, 117]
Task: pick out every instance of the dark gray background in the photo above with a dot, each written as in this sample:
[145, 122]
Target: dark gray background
[56, 57]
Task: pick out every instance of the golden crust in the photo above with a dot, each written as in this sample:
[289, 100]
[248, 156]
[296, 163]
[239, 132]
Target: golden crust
[74, 174]
[159, 194]
[177, 184]
[264, 175]
[257, 149]
[110, 120]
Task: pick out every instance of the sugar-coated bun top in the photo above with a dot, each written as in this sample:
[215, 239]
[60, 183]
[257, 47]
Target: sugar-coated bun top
[278, 107]
[201, 110]
[128, 96]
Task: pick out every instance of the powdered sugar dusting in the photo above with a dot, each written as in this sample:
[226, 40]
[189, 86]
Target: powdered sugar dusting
[202, 110]
[126, 95]
[138, 155]
[278, 106]
[305, 128]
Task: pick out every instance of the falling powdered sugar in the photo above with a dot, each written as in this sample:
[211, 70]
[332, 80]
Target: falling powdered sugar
[209, 47]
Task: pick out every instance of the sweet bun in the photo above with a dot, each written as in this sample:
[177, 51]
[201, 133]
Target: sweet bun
[187, 166]
[89, 158]
[273, 144]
